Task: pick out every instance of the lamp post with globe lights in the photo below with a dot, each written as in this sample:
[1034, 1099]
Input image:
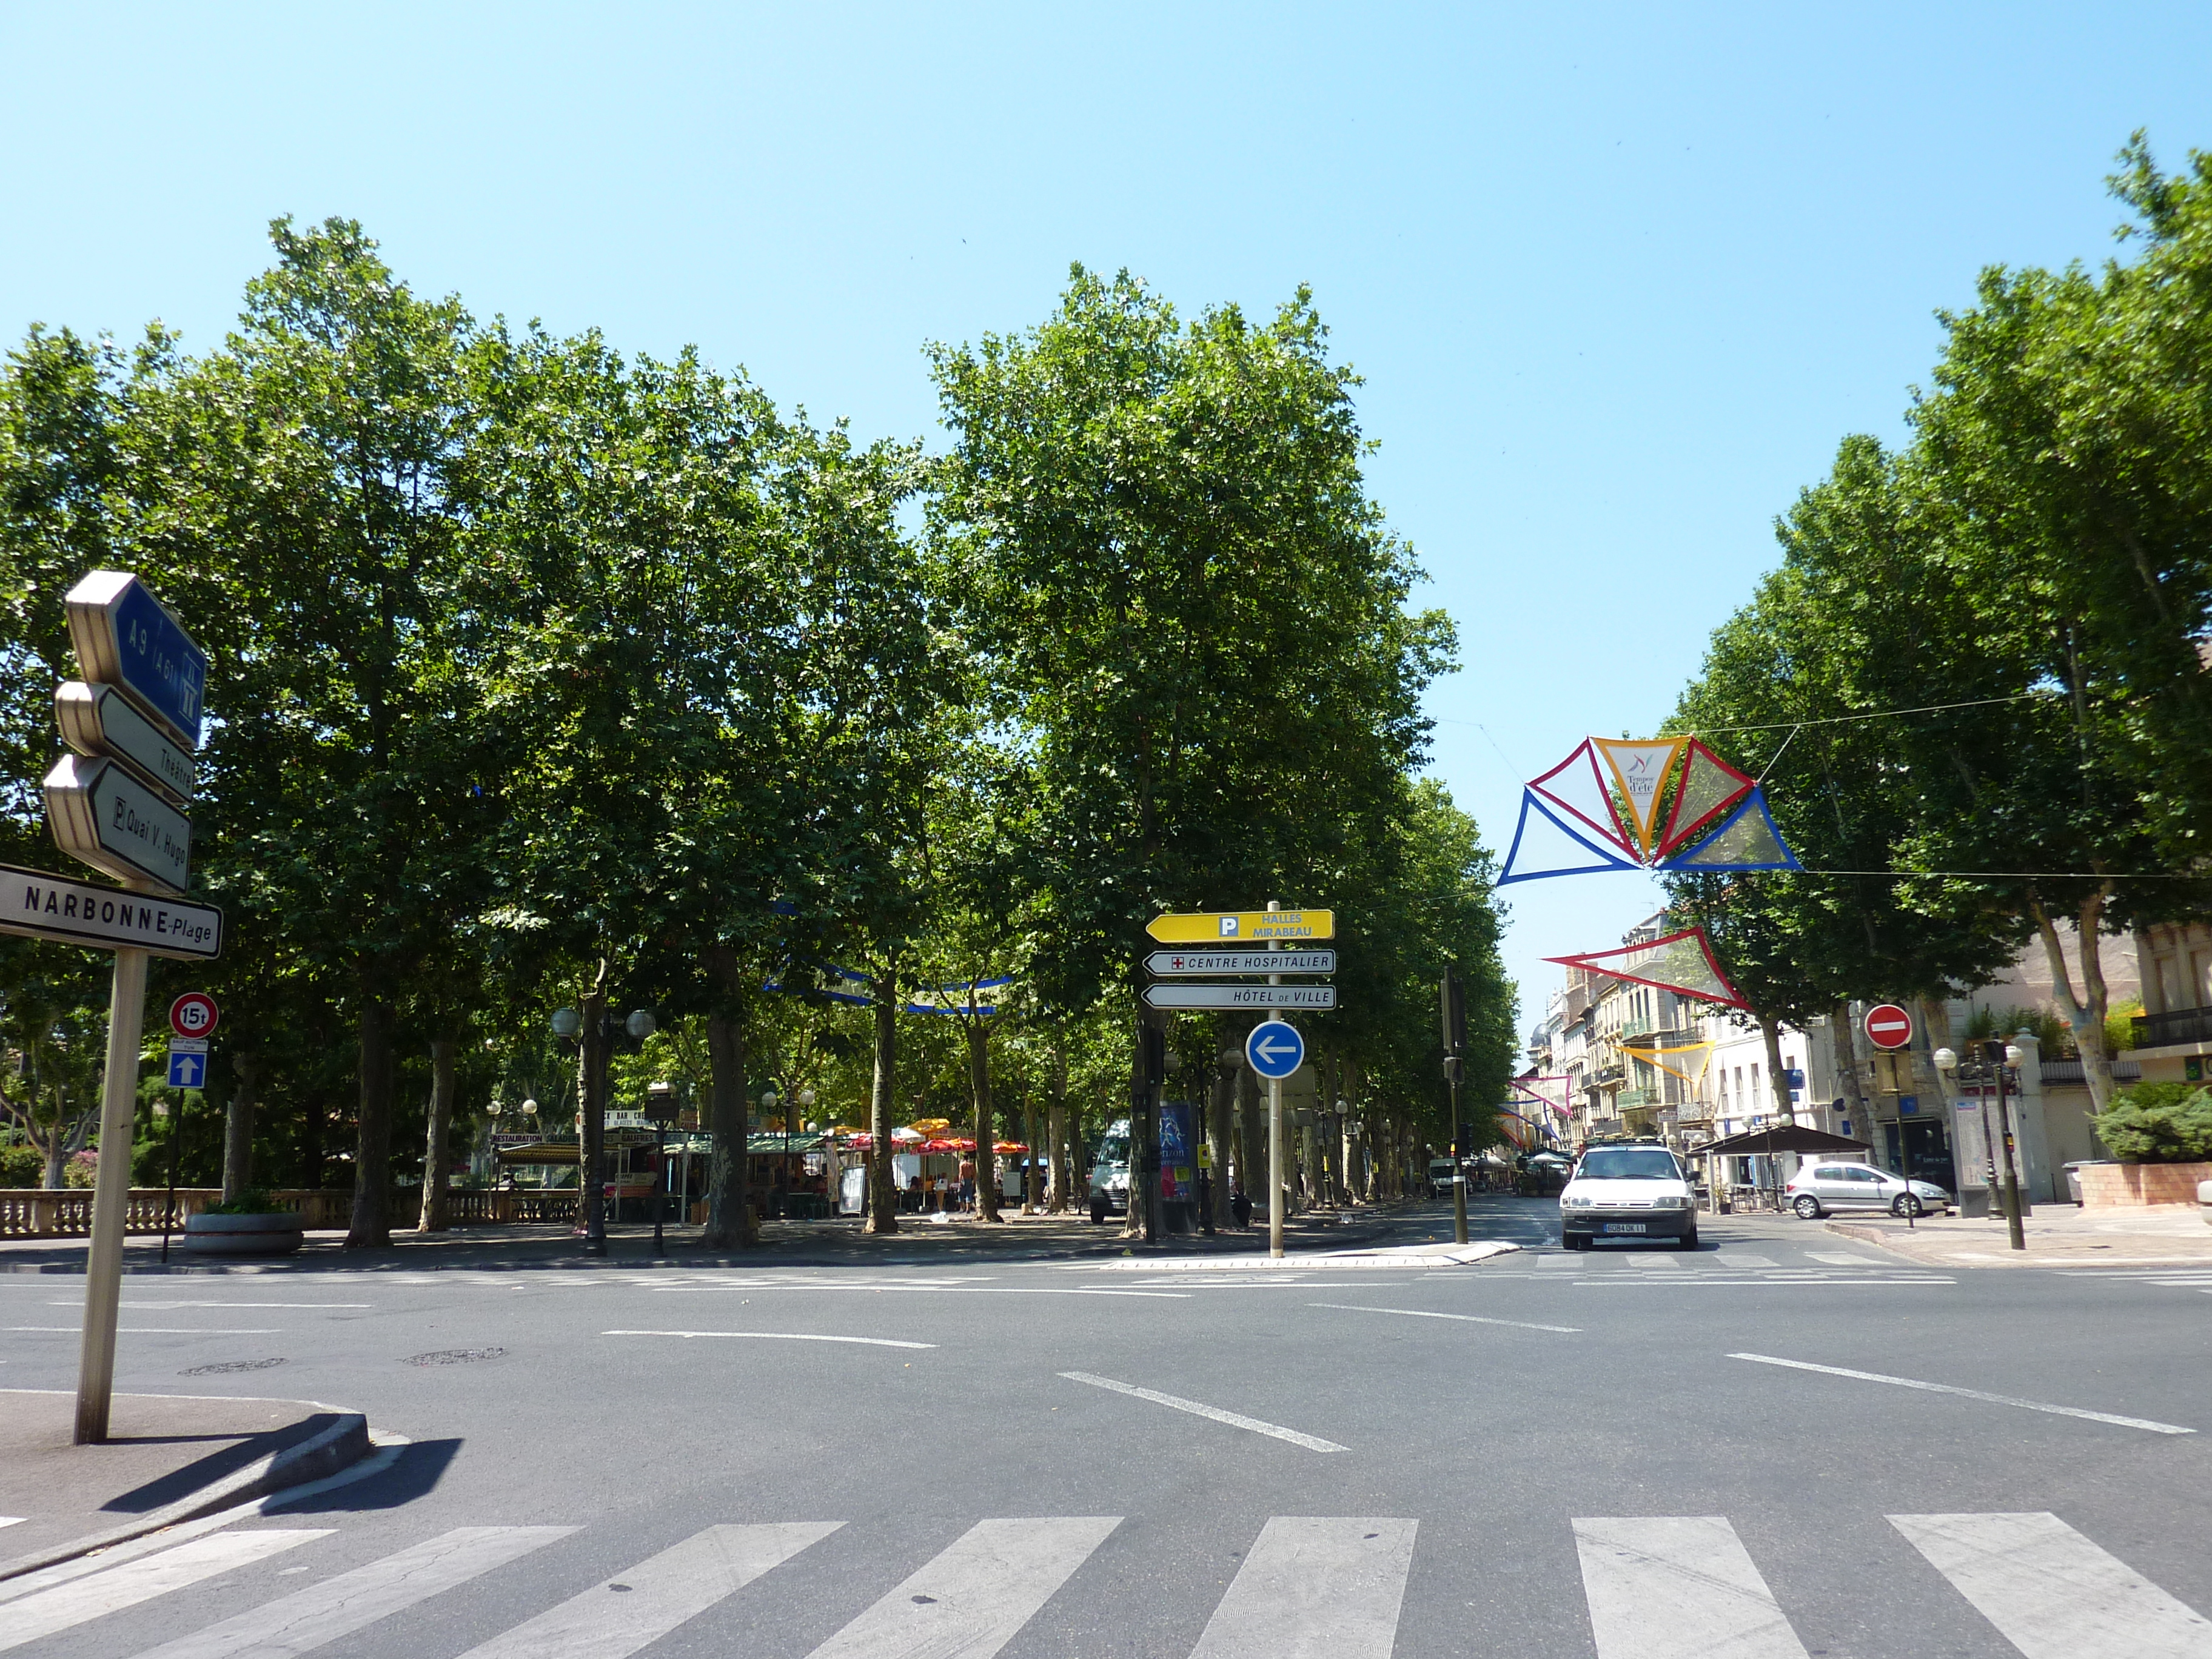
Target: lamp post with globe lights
[1992, 1066]
[595, 1038]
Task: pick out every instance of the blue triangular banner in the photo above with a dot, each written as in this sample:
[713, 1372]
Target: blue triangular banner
[1747, 840]
[1605, 858]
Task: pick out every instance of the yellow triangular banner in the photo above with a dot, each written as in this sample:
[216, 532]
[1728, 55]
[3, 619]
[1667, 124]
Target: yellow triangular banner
[1641, 769]
[1701, 1051]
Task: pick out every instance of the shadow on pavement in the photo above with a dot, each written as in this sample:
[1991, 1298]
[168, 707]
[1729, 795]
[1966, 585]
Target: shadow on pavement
[416, 1473]
[235, 1453]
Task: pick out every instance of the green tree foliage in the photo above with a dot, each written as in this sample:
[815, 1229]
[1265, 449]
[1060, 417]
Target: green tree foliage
[2158, 1123]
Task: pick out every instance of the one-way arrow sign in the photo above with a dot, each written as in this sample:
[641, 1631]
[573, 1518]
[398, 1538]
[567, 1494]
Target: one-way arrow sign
[1275, 1049]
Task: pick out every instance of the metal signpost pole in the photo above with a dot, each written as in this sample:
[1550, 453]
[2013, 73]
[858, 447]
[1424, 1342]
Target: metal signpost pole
[2013, 1226]
[1275, 1172]
[1455, 1013]
[111, 1197]
[176, 1154]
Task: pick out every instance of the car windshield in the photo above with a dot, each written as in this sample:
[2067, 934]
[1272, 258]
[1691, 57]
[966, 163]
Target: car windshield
[1113, 1149]
[1627, 1163]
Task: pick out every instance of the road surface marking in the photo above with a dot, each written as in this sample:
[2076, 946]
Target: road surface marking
[1235, 1419]
[1842, 1259]
[1969, 1393]
[146, 1307]
[11, 1520]
[305, 1620]
[1807, 1279]
[153, 1330]
[969, 1601]
[66, 1606]
[2052, 1593]
[782, 1336]
[1472, 1319]
[1678, 1587]
[1315, 1587]
[642, 1604]
[1744, 1259]
[1649, 1263]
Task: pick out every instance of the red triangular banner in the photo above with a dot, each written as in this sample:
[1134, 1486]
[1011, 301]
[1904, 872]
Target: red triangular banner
[1681, 962]
[1709, 788]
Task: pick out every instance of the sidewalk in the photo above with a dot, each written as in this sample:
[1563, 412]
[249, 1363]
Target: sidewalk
[169, 1457]
[921, 1241]
[2058, 1235]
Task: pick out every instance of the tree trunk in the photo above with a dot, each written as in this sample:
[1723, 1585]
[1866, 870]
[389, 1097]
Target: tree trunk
[237, 1130]
[591, 1100]
[2085, 1014]
[372, 1157]
[730, 1223]
[1251, 1138]
[442, 1055]
[1056, 1196]
[1842, 1038]
[979, 1085]
[882, 1191]
[1217, 1143]
[1144, 1145]
[57, 1153]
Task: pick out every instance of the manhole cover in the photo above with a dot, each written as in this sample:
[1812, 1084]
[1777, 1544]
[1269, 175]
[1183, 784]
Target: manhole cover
[454, 1355]
[231, 1365]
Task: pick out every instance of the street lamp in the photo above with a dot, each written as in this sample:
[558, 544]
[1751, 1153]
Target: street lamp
[1998, 1058]
[568, 1023]
[660, 1112]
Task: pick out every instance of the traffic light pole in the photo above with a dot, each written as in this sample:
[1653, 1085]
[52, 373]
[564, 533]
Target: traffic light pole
[1459, 1170]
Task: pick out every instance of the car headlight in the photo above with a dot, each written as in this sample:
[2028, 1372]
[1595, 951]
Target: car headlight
[1671, 1202]
[1567, 1202]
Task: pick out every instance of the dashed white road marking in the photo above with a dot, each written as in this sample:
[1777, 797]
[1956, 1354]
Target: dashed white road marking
[1969, 1393]
[1235, 1419]
[1471, 1319]
[782, 1336]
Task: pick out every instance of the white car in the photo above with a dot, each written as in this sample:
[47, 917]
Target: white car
[1631, 1192]
[1820, 1187]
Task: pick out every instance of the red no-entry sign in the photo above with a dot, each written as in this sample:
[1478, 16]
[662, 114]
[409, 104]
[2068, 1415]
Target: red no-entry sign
[1888, 1026]
[193, 1014]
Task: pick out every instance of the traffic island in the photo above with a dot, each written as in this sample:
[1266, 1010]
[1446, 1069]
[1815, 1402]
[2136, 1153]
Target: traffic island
[2058, 1235]
[168, 1458]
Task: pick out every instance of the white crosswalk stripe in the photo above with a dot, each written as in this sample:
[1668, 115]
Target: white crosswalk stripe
[616, 1618]
[337, 1606]
[1656, 1586]
[1315, 1587]
[2052, 1593]
[66, 1606]
[1678, 1587]
[969, 1600]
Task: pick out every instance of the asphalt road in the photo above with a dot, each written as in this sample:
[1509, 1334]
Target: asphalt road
[1544, 1454]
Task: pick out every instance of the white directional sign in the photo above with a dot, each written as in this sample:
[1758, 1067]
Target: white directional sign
[40, 906]
[101, 813]
[1241, 961]
[98, 720]
[1240, 996]
[1275, 1049]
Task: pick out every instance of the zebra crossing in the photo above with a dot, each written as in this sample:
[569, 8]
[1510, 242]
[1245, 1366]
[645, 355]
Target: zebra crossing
[2170, 1279]
[1655, 1587]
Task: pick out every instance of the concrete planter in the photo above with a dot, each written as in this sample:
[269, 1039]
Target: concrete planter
[2139, 1186]
[277, 1234]
[2204, 1200]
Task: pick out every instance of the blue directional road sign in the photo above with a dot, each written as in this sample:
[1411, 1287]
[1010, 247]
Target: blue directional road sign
[1275, 1049]
[188, 1068]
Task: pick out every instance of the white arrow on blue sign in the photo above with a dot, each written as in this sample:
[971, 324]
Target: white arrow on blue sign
[1275, 1049]
[187, 1069]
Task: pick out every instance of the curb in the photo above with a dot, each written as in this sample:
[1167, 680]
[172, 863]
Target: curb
[345, 1442]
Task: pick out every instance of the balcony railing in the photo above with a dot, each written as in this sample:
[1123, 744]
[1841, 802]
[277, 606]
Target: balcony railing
[2175, 1026]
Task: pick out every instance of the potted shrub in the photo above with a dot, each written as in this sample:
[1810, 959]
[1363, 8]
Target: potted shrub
[252, 1224]
[2161, 1132]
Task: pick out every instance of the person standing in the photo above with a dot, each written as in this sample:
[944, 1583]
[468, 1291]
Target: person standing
[967, 1183]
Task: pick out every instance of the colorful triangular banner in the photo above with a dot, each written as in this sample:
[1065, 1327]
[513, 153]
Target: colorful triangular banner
[1709, 788]
[1747, 840]
[1680, 961]
[1577, 786]
[1641, 769]
[1536, 850]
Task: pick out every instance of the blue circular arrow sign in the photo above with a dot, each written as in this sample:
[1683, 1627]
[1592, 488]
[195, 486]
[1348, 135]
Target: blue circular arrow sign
[1275, 1049]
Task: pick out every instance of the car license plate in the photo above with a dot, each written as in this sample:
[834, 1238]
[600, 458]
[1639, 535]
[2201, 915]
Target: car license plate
[1624, 1226]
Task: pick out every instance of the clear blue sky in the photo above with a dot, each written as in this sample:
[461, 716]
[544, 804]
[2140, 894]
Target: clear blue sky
[1618, 277]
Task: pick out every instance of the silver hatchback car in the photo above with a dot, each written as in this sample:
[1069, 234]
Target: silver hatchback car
[1820, 1187]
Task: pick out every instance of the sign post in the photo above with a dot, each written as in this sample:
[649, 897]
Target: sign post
[116, 806]
[1274, 1050]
